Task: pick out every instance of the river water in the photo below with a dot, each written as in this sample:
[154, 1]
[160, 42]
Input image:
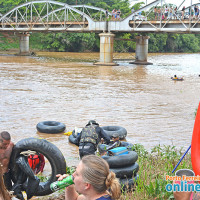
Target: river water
[68, 88]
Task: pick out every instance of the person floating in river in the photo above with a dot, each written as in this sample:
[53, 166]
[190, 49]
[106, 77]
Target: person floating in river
[175, 77]
[89, 138]
[93, 180]
[6, 146]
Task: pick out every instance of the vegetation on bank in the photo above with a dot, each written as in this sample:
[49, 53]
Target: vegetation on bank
[89, 42]
[153, 167]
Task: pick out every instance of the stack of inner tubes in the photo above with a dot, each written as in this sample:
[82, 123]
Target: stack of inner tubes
[125, 167]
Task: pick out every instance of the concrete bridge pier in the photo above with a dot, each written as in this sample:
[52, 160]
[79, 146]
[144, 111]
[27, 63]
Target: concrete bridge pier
[106, 49]
[24, 44]
[141, 51]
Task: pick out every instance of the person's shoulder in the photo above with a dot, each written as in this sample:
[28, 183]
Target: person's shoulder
[98, 128]
[11, 144]
[106, 197]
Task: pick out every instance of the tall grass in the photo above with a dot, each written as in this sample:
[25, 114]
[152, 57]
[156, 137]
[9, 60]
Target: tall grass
[154, 166]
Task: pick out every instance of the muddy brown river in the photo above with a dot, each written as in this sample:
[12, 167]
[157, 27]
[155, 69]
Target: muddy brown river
[68, 88]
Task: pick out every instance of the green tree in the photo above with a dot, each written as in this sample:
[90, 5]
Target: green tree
[157, 42]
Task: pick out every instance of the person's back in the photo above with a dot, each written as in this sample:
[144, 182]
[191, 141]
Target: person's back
[89, 138]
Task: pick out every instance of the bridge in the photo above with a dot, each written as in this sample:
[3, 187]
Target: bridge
[53, 16]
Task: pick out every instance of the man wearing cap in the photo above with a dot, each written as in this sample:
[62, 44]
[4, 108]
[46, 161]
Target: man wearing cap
[89, 137]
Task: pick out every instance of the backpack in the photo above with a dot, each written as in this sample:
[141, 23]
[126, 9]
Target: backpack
[118, 151]
[89, 134]
[34, 161]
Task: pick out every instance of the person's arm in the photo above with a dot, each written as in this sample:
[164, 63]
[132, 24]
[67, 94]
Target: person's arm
[112, 146]
[104, 135]
[77, 139]
[70, 193]
[182, 195]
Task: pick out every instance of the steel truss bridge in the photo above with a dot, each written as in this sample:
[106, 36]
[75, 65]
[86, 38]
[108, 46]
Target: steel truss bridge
[53, 16]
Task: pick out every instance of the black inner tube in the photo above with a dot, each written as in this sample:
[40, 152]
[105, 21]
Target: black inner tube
[50, 127]
[51, 153]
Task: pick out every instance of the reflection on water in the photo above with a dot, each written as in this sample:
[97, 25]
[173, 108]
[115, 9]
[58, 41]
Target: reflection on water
[67, 87]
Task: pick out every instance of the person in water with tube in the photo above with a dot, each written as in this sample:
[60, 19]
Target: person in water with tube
[89, 138]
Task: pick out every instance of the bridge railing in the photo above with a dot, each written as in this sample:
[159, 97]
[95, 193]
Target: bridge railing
[50, 15]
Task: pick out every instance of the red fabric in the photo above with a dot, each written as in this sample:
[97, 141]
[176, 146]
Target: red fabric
[33, 161]
[36, 162]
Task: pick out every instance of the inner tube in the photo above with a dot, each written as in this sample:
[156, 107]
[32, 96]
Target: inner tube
[72, 140]
[126, 172]
[73, 136]
[110, 130]
[50, 127]
[121, 160]
[128, 145]
[195, 146]
[51, 153]
[177, 79]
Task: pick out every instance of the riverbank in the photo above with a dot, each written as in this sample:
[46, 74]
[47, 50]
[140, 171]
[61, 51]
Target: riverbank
[89, 42]
[154, 166]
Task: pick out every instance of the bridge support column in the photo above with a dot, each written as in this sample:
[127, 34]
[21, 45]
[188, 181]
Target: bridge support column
[141, 51]
[24, 44]
[106, 49]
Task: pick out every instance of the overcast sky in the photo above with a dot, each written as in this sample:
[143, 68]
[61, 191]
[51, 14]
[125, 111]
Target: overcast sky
[177, 2]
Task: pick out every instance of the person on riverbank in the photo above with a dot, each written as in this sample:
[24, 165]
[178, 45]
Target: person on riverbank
[115, 142]
[4, 195]
[89, 137]
[6, 146]
[93, 181]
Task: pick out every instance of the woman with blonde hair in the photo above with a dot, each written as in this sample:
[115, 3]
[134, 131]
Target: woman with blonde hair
[93, 181]
[4, 195]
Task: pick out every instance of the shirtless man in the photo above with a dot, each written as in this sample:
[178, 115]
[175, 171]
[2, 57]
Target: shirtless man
[6, 147]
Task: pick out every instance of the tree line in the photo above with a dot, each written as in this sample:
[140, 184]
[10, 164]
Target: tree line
[88, 42]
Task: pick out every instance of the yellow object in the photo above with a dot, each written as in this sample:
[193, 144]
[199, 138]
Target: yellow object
[24, 195]
[68, 133]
